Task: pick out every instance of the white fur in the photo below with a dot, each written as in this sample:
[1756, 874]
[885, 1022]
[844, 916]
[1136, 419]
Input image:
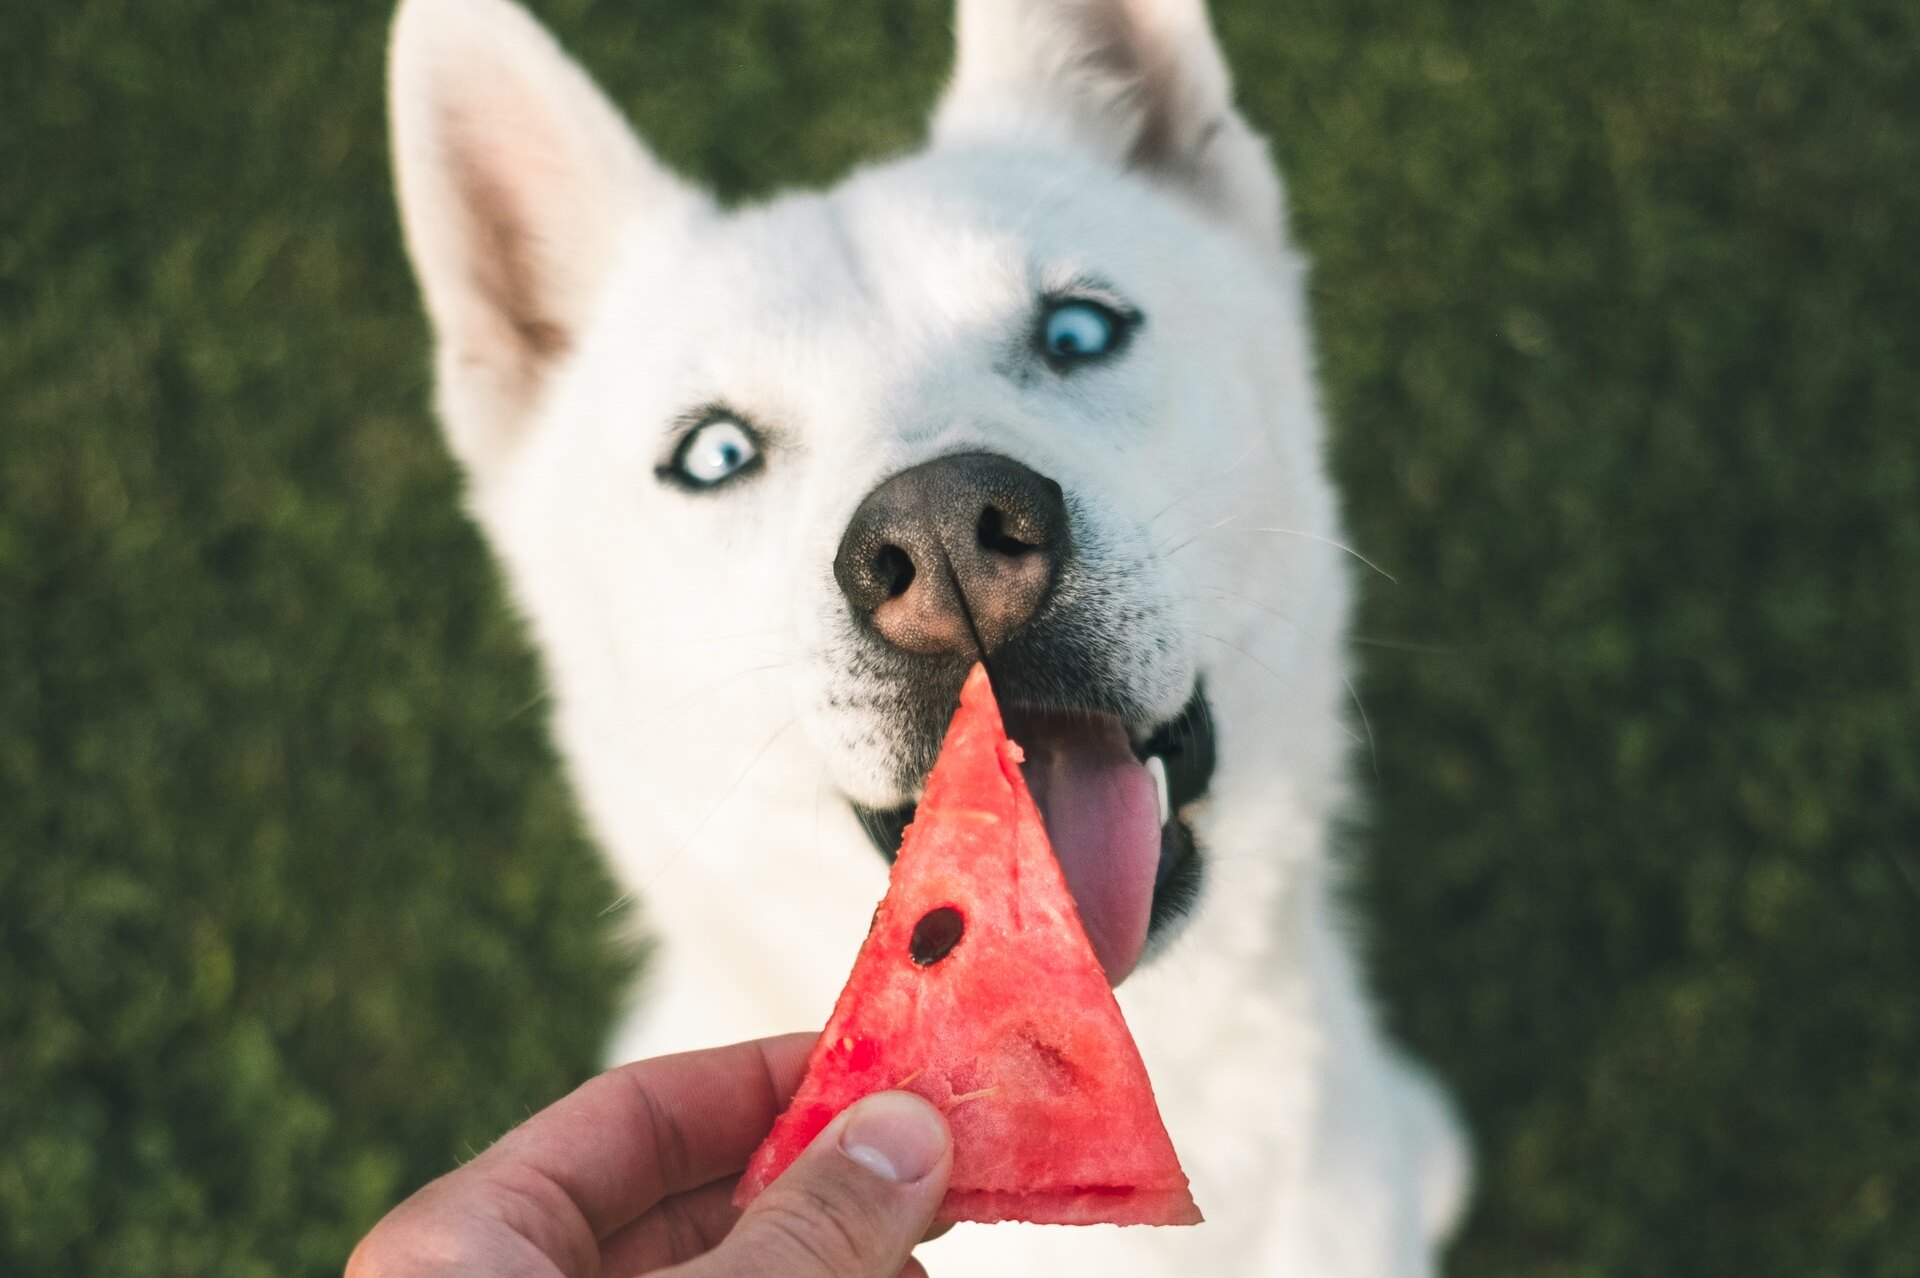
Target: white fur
[585, 300]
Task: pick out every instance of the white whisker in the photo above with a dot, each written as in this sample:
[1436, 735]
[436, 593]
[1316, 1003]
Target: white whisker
[706, 688]
[752, 763]
[1190, 538]
[543, 695]
[1275, 613]
[1202, 487]
[1405, 645]
[1328, 541]
[1373, 754]
[1284, 684]
[546, 694]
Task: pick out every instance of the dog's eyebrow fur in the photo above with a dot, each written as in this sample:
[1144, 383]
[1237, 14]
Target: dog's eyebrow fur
[1064, 283]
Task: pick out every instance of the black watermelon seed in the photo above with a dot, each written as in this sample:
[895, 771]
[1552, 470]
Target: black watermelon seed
[935, 935]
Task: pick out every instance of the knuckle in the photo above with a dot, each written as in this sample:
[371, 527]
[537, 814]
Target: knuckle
[823, 1231]
[686, 1237]
[671, 1153]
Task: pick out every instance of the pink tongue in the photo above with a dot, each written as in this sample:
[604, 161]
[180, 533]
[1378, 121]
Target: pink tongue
[1103, 817]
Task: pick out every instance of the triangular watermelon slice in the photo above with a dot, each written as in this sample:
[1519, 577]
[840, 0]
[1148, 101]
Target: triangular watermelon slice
[976, 987]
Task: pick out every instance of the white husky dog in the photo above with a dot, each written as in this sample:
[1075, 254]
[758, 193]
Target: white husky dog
[758, 476]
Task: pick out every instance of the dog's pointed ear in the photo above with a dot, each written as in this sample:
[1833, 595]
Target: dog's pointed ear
[1141, 83]
[518, 181]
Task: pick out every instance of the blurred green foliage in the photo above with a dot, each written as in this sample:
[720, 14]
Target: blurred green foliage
[1620, 308]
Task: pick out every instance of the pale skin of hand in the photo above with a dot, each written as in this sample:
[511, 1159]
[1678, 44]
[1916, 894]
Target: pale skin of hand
[633, 1173]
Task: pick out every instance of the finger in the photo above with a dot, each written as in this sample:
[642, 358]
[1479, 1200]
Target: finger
[852, 1205]
[636, 1134]
[680, 1228]
[688, 1225]
[596, 1159]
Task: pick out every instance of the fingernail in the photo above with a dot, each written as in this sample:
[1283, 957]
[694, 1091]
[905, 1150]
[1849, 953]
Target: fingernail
[894, 1135]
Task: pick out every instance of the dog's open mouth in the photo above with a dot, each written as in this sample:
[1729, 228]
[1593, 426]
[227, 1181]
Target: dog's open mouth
[1117, 806]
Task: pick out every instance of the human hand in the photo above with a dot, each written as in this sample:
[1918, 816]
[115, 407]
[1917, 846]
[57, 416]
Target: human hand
[634, 1172]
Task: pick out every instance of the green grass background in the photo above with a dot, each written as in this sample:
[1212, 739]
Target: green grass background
[1620, 307]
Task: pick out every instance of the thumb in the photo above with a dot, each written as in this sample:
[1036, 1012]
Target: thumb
[852, 1205]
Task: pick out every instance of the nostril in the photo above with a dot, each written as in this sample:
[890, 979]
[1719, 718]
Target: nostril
[953, 555]
[893, 569]
[996, 536]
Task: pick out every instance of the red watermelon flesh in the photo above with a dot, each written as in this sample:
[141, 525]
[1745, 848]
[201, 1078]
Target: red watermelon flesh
[1012, 1029]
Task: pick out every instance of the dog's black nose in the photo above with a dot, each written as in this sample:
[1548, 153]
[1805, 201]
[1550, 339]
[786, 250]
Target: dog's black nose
[976, 521]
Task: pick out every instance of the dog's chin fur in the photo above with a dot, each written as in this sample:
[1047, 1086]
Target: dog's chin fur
[719, 709]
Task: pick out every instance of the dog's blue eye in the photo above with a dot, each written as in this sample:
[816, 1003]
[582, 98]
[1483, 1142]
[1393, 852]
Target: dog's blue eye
[1080, 330]
[714, 452]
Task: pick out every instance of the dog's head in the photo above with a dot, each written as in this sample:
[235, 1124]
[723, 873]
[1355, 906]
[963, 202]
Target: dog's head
[767, 480]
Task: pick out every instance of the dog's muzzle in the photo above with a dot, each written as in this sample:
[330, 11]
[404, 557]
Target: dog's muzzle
[956, 559]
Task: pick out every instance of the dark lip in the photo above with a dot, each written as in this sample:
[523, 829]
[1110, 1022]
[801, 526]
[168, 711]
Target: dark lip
[1185, 744]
